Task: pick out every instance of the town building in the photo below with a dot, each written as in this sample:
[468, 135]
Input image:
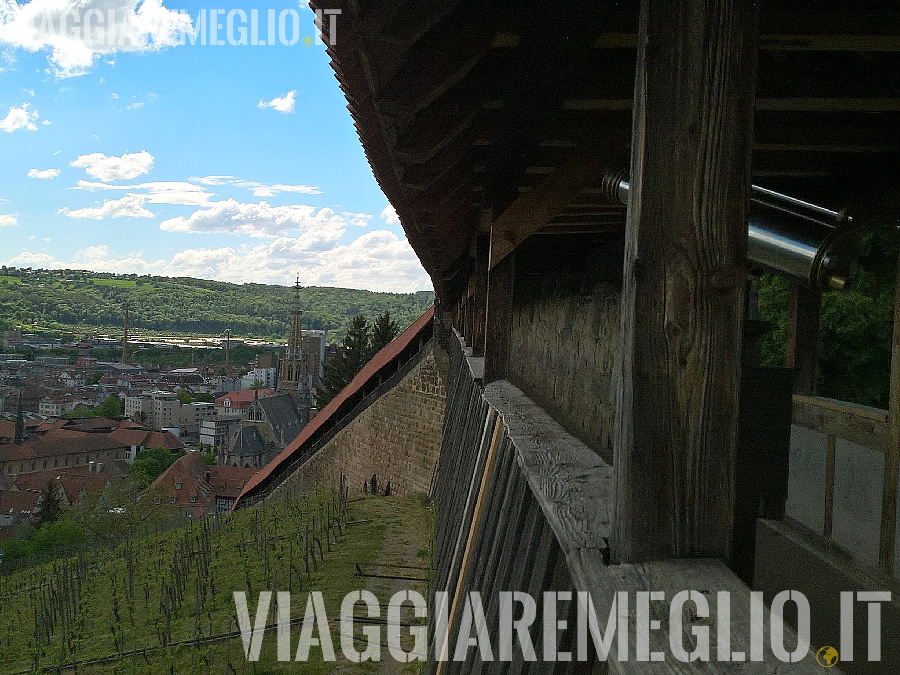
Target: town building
[263, 377]
[240, 401]
[52, 406]
[278, 421]
[247, 449]
[195, 489]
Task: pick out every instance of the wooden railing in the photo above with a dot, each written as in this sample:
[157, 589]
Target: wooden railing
[521, 505]
[865, 426]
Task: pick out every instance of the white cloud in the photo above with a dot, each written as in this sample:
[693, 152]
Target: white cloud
[212, 180]
[378, 261]
[129, 206]
[28, 259]
[46, 123]
[8, 220]
[158, 192]
[263, 190]
[389, 215]
[43, 174]
[258, 189]
[107, 169]
[263, 220]
[19, 118]
[283, 104]
[76, 33]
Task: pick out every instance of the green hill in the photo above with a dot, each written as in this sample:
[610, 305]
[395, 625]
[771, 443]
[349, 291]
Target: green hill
[83, 301]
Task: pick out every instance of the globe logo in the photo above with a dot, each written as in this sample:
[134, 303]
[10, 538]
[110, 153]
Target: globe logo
[827, 657]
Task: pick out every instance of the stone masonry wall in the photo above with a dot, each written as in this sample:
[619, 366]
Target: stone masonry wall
[564, 337]
[398, 438]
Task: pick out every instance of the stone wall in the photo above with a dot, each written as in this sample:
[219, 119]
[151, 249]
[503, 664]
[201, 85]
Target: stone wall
[565, 335]
[397, 438]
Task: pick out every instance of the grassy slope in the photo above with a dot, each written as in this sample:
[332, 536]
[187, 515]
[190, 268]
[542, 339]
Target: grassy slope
[237, 554]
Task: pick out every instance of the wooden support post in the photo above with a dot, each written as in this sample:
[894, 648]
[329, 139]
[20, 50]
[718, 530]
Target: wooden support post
[685, 265]
[804, 313]
[829, 486]
[892, 456]
[479, 302]
[499, 319]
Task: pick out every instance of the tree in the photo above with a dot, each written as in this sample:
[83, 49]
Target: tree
[51, 504]
[58, 537]
[151, 463]
[111, 408]
[184, 396]
[346, 362]
[384, 330]
[208, 453]
[855, 334]
[124, 505]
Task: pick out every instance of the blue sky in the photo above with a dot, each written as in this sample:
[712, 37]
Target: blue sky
[230, 162]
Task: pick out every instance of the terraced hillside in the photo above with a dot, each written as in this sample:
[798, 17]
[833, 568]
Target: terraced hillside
[164, 602]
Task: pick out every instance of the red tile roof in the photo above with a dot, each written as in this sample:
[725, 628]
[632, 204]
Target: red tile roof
[369, 371]
[147, 438]
[246, 395]
[191, 473]
[73, 481]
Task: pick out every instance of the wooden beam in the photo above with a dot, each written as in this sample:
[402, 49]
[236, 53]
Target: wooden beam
[498, 323]
[678, 384]
[892, 457]
[535, 208]
[860, 424]
[784, 42]
[807, 104]
[804, 314]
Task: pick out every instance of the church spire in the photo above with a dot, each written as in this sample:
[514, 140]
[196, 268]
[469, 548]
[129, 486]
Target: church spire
[293, 378]
[296, 309]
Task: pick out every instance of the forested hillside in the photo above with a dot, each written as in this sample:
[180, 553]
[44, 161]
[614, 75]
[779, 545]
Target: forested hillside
[61, 299]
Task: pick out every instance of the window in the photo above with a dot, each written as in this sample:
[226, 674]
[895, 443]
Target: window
[177, 486]
[172, 500]
[193, 500]
[156, 500]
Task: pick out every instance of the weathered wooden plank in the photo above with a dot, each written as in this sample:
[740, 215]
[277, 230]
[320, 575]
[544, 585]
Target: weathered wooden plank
[473, 528]
[676, 420]
[860, 424]
[892, 456]
[571, 483]
[671, 577]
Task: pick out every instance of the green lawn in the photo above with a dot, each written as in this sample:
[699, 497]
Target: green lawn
[115, 283]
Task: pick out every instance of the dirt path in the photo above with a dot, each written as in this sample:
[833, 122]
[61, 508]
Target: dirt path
[404, 554]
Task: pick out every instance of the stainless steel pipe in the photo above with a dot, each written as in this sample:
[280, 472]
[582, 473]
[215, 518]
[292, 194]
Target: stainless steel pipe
[785, 234]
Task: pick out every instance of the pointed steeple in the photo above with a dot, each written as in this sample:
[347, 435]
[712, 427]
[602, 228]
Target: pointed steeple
[291, 378]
